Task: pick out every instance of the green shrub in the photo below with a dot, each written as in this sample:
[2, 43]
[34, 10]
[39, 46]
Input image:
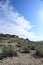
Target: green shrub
[32, 47]
[39, 51]
[9, 51]
[25, 50]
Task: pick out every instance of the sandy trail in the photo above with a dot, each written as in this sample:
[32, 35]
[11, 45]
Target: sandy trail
[22, 59]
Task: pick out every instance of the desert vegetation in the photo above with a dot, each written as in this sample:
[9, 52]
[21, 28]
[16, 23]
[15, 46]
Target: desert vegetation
[23, 45]
[12, 46]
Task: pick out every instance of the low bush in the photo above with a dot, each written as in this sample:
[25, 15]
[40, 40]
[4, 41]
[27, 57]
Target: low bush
[39, 51]
[25, 50]
[32, 47]
[9, 51]
[18, 44]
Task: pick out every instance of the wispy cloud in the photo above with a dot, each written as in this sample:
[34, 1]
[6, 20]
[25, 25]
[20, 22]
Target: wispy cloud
[13, 23]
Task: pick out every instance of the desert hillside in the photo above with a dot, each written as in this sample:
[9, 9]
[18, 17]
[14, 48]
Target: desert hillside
[19, 51]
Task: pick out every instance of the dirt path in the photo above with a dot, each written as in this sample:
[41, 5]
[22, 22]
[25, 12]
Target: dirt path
[22, 59]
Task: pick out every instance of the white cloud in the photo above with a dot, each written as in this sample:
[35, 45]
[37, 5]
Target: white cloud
[40, 16]
[13, 23]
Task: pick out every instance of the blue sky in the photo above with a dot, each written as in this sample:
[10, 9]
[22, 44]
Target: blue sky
[23, 18]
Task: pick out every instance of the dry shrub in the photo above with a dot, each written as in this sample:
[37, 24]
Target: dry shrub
[9, 51]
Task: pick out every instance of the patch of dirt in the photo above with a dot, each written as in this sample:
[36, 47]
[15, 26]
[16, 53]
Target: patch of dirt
[22, 59]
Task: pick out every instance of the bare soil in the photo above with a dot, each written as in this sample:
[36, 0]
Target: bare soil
[23, 59]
